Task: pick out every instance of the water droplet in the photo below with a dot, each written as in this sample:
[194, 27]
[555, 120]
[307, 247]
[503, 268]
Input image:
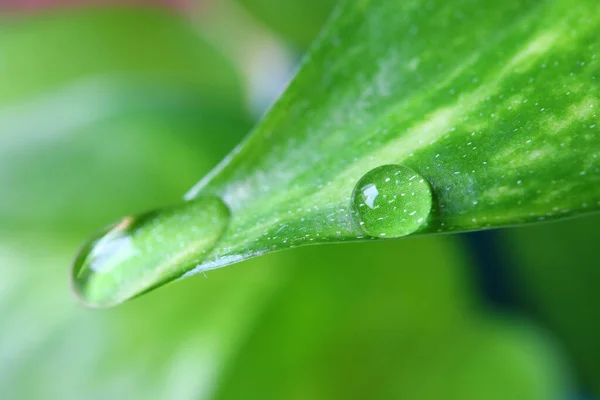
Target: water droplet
[391, 201]
[142, 252]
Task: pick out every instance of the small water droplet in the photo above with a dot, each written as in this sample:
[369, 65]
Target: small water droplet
[383, 218]
[142, 252]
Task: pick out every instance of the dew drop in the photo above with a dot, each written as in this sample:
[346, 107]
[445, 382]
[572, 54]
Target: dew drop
[142, 252]
[379, 217]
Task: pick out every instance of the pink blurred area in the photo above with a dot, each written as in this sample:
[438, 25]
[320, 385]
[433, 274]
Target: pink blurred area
[31, 5]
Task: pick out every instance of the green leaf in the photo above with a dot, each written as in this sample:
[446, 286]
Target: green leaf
[404, 328]
[497, 114]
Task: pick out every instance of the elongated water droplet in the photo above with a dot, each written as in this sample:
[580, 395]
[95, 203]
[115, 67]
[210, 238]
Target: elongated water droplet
[142, 252]
[391, 201]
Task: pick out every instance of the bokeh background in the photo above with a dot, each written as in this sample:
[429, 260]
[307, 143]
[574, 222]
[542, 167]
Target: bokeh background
[109, 108]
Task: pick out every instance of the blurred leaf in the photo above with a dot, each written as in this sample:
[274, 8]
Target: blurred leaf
[299, 21]
[60, 169]
[497, 113]
[309, 324]
[557, 270]
[380, 329]
[44, 50]
[133, 97]
[34, 5]
[383, 319]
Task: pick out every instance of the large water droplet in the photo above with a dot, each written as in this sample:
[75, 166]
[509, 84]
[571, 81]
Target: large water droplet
[391, 201]
[142, 252]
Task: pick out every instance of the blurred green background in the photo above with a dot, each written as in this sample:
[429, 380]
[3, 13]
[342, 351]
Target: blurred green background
[106, 110]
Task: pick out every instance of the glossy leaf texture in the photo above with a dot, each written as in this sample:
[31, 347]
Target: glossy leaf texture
[331, 322]
[494, 103]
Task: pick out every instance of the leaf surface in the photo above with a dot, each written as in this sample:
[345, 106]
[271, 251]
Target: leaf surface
[493, 103]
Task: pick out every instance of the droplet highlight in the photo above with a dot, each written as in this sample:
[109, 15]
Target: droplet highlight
[142, 252]
[391, 201]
